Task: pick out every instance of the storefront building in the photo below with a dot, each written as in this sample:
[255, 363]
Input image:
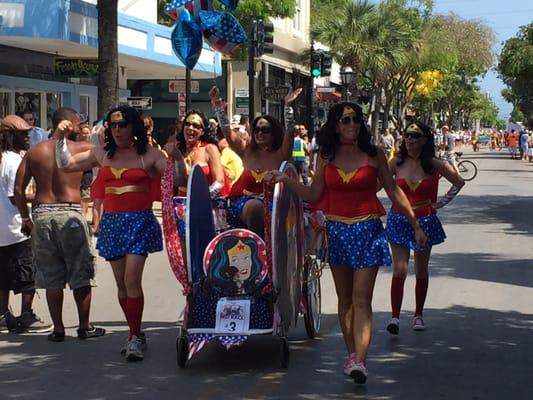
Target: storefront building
[48, 52]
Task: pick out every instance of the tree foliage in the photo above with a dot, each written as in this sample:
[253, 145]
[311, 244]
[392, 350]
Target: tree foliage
[407, 56]
[515, 67]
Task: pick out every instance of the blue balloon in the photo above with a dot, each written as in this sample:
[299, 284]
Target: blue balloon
[187, 40]
[230, 4]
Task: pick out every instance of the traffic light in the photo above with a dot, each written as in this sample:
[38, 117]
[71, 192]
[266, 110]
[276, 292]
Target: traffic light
[264, 37]
[316, 63]
[325, 68]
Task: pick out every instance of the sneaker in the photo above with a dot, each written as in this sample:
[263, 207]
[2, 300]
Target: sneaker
[349, 365]
[134, 350]
[359, 373]
[56, 337]
[394, 326]
[8, 323]
[142, 337]
[92, 332]
[418, 323]
[29, 322]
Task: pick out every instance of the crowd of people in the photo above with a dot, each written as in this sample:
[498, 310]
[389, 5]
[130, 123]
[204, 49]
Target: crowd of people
[117, 165]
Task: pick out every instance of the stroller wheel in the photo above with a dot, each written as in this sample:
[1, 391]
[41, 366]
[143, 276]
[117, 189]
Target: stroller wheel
[284, 352]
[182, 348]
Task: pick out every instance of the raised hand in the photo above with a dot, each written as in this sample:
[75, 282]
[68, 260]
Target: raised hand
[64, 128]
[214, 93]
[291, 96]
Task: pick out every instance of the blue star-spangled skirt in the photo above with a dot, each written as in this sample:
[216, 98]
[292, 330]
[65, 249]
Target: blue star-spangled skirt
[236, 204]
[358, 245]
[400, 232]
[122, 233]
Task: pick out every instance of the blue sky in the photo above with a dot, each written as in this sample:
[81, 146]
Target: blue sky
[504, 17]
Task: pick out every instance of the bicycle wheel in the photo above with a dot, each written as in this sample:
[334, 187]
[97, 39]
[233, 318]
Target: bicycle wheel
[467, 169]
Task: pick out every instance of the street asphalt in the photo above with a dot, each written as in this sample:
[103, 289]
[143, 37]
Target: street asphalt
[478, 343]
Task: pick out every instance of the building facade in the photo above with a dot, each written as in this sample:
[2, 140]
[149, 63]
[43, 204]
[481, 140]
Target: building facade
[48, 53]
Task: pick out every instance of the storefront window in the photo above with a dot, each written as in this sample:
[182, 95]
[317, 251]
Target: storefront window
[53, 102]
[4, 104]
[28, 102]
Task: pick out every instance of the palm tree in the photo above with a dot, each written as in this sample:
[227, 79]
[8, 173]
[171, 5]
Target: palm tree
[107, 81]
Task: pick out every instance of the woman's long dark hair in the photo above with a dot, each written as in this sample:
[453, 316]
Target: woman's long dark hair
[132, 116]
[207, 136]
[277, 132]
[328, 138]
[428, 151]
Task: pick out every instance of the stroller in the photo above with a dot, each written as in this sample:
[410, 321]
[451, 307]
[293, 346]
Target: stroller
[237, 284]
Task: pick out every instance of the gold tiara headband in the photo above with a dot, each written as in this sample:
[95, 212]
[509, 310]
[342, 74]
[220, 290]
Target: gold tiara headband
[239, 249]
[117, 116]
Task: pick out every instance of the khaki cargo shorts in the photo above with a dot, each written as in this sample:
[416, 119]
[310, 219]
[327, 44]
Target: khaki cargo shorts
[61, 246]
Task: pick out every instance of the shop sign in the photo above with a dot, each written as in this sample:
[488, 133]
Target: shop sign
[178, 86]
[76, 68]
[275, 93]
[143, 103]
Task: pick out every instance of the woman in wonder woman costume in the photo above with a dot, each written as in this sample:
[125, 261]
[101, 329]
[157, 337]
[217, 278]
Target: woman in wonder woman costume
[417, 172]
[130, 169]
[344, 187]
[199, 146]
[264, 150]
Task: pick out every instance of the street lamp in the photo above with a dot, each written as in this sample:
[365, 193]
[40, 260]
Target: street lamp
[347, 76]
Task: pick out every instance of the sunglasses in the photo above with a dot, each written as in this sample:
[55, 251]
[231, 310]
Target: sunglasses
[413, 135]
[355, 119]
[121, 124]
[194, 125]
[264, 129]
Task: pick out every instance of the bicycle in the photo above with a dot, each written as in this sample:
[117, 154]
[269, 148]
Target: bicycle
[467, 169]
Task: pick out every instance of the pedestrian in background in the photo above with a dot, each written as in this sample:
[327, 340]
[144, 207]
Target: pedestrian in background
[16, 256]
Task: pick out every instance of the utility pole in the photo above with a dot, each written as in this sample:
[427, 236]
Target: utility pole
[188, 89]
[309, 100]
[252, 44]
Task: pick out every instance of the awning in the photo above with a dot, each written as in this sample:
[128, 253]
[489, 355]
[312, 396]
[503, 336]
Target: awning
[328, 97]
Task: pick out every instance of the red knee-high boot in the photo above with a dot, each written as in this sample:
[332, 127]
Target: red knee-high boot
[396, 295]
[135, 306]
[421, 290]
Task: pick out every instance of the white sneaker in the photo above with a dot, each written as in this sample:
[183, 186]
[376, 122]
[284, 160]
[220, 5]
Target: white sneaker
[359, 373]
[142, 336]
[393, 326]
[418, 323]
[134, 351]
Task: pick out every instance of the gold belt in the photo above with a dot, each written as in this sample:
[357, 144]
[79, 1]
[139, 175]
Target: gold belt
[351, 220]
[124, 189]
[421, 204]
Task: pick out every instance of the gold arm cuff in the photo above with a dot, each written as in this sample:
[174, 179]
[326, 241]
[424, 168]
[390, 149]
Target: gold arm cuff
[351, 220]
[124, 189]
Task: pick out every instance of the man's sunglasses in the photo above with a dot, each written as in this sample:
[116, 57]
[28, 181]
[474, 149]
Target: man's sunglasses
[195, 125]
[121, 124]
[265, 129]
[355, 119]
[413, 135]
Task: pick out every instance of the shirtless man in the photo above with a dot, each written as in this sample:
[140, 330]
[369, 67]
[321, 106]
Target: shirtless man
[60, 236]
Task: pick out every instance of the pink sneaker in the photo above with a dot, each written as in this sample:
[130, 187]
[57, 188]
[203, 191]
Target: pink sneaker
[349, 365]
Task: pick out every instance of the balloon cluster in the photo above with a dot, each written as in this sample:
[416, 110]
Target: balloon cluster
[195, 20]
